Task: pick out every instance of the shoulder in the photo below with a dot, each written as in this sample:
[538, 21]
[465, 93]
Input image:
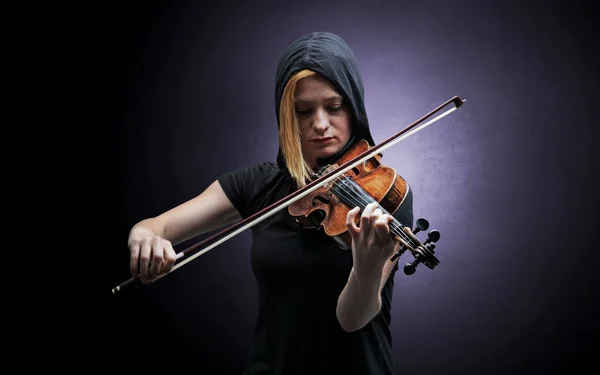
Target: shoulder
[246, 186]
[258, 169]
[255, 173]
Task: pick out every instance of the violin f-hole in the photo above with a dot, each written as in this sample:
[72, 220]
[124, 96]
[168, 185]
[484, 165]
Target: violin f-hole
[322, 199]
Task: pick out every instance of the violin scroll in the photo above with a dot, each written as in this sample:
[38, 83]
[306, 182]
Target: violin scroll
[424, 252]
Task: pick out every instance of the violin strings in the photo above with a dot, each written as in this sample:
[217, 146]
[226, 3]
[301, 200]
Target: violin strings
[363, 199]
[354, 195]
[396, 227]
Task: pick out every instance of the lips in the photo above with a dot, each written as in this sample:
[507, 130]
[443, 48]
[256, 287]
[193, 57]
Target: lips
[321, 139]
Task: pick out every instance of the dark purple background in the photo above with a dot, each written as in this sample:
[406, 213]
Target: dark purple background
[509, 179]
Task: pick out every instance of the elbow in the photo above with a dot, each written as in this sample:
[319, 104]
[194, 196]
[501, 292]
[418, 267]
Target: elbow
[351, 324]
[349, 327]
[352, 319]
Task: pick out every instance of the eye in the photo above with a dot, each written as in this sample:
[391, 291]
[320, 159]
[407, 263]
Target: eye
[302, 111]
[335, 108]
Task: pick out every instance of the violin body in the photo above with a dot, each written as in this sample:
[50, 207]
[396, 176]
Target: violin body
[325, 209]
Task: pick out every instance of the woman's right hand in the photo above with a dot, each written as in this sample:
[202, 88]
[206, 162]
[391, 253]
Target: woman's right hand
[150, 255]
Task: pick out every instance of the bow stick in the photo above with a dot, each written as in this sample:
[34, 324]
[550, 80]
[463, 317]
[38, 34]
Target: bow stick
[235, 229]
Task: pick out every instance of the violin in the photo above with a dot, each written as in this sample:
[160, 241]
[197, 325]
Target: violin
[357, 178]
[327, 207]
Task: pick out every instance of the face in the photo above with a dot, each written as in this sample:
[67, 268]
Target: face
[323, 117]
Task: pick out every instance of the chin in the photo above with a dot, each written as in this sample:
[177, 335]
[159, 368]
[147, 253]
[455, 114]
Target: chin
[328, 152]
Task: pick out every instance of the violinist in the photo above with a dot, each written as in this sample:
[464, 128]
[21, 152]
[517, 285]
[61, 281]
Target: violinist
[323, 309]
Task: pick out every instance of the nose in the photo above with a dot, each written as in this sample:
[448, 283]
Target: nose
[320, 121]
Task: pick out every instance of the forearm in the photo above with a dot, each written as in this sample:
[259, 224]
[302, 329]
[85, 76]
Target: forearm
[360, 300]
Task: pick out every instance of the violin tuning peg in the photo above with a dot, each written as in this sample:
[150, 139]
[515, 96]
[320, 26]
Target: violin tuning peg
[433, 236]
[411, 267]
[422, 224]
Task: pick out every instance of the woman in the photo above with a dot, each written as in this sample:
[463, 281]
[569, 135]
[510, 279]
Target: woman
[322, 309]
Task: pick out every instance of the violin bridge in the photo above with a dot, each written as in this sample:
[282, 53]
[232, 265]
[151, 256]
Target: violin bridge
[326, 170]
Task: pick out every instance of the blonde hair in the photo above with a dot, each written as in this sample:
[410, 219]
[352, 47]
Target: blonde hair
[289, 132]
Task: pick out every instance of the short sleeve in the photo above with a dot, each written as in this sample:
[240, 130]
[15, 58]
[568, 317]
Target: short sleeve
[404, 213]
[242, 186]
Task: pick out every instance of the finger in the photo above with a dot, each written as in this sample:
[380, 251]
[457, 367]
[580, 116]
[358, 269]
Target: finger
[157, 258]
[365, 218]
[373, 237]
[382, 229]
[134, 259]
[375, 215]
[145, 252]
[170, 257]
[351, 222]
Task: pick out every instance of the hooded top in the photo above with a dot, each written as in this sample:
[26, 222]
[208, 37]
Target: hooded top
[329, 55]
[300, 273]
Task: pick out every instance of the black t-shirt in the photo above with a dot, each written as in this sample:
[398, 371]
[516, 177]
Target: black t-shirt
[300, 274]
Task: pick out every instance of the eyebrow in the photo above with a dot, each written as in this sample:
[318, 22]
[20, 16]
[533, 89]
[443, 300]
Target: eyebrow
[335, 97]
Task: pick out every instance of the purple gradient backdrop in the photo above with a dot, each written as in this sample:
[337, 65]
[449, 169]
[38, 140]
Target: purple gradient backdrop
[505, 179]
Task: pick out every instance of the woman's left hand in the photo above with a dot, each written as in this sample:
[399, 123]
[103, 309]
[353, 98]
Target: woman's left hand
[372, 243]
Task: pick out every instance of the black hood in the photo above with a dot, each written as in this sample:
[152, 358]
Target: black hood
[329, 55]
